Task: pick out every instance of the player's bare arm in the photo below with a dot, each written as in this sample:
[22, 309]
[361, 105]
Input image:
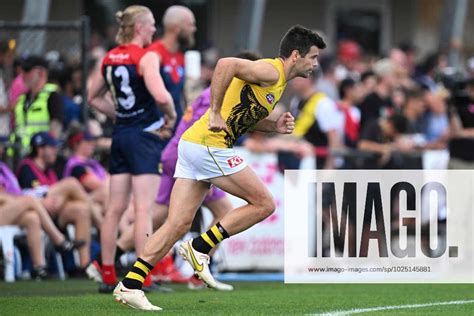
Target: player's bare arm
[150, 69]
[97, 97]
[258, 71]
[285, 124]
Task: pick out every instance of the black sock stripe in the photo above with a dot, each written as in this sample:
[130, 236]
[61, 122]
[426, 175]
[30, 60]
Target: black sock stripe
[138, 271]
[222, 230]
[149, 266]
[212, 237]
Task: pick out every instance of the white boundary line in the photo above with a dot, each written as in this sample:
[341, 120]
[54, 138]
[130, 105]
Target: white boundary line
[384, 308]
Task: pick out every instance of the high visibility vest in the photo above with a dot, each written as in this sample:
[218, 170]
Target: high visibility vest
[36, 118]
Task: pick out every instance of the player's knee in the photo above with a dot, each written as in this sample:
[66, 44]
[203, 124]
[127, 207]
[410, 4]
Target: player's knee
[266, 207]
[181, 226]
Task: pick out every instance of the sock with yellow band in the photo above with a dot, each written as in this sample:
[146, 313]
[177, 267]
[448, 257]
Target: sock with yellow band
[135, 278]
[210, 239]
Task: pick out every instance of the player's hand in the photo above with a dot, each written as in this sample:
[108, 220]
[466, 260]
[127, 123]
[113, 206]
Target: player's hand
[285, 123]
[166, 131]
[216, 123]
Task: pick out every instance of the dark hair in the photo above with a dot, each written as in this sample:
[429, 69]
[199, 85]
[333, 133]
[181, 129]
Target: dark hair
[399, 122]
[345, 84]
[248, 54]
[367, 74]
[301, 39]
[414, 93]
[34, 61]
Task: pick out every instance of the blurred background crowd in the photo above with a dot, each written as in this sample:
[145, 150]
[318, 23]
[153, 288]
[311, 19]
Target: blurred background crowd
[394, 90]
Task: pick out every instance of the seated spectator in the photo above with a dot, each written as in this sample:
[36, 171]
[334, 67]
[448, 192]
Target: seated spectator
[90, 173]
[65, 200]
[30, 214]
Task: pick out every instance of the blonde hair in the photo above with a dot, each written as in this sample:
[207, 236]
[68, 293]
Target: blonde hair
[127, 20]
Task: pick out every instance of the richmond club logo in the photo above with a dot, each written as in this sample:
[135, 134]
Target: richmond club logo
[270, 98]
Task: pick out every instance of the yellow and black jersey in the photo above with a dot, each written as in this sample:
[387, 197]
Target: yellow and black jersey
[244, 105]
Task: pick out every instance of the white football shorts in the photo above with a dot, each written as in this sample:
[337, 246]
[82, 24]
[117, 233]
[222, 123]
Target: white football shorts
[199, 162]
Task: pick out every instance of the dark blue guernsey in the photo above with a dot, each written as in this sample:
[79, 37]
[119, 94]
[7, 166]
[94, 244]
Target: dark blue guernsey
[134, 105]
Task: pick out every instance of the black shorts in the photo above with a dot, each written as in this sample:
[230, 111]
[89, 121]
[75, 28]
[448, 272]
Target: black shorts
[136, 152]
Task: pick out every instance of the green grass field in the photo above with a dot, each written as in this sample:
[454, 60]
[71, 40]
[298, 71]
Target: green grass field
[80, 297]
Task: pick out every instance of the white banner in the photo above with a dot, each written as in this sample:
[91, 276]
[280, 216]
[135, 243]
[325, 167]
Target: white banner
[374, 226]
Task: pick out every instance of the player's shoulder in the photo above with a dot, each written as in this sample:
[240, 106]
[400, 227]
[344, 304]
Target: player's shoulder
[124, 54]
[157, 47]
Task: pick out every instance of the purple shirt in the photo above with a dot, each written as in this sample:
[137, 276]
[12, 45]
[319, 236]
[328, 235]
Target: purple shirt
[192, 114]
[8, 180]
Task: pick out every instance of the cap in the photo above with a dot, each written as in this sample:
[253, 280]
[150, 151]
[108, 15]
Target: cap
[79, 136]
[43, 139]
[34, 61]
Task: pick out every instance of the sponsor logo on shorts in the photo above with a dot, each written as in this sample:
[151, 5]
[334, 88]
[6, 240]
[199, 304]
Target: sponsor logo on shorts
[270, 98]
[234, 161]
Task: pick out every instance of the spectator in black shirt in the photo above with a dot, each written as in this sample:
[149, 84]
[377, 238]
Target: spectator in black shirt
[377, 104]
[380, 138]
[461, 146]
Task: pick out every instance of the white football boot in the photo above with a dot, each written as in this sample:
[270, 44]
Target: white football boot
[199, 262]
[133, 298]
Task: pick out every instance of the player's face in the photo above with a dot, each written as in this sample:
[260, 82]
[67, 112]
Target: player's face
[305, 65]
[186, 32]
[147, 28]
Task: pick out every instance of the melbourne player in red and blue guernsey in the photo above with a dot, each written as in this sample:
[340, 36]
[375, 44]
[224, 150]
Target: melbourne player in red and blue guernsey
[179, 28]
[144, 116]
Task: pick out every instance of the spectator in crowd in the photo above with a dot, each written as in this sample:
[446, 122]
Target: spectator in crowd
[65, 200]
[327, 82]
[179, 27]
[14, 212]
[17, 86]
[380, 138]
[72, 111]
[351, 93]
[436, 127]
[413, 110]
[428, 70]
[41, 109]
[29, 213]
[88, 171]
[4, 106]
[317, 120]
[410, 52]
[369, 82]
[462, 132]
[349, 55]
[378, 103]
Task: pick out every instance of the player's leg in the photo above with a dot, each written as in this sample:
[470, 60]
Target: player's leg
[120, 185]
[186, 197]
[246, 185]
[144, 191]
